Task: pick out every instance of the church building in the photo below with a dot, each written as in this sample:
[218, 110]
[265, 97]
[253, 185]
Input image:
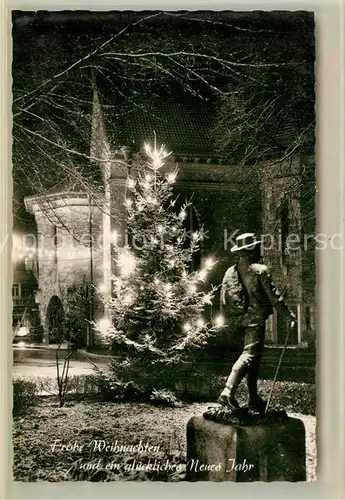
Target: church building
[74, 228]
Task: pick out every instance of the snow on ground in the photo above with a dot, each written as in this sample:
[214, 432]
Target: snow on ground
[34, 435]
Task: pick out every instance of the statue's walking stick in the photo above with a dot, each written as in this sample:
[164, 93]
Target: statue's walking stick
[277, 370]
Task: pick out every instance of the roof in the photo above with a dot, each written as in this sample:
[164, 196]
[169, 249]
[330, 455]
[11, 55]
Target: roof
[183, 125]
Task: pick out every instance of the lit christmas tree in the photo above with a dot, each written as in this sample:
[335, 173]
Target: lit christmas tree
[158, 305]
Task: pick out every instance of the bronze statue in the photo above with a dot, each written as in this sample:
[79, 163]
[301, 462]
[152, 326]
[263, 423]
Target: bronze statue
[249, 295]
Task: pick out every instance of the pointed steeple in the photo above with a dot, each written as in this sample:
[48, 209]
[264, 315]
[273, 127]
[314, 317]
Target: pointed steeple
[100, 151]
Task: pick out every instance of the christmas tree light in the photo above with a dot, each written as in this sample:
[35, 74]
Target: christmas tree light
[200, 323]
[187, 327]
[126, 261]
[171, 177]
[128, 299]
[130, 183]
[209, 263]
[157, 156]
[104, 325]
[102, 288]
[114, 236]
[219, 321]
[202, 275]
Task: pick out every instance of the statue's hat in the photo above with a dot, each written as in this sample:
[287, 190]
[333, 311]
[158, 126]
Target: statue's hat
[246, 241]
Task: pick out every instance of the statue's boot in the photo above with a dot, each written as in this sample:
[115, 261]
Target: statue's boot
[228, 401]
[256, 403]
[228, 395]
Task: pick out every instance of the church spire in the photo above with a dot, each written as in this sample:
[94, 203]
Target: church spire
[100, 152]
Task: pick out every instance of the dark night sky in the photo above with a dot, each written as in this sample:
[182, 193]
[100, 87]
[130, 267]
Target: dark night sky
[45, 43]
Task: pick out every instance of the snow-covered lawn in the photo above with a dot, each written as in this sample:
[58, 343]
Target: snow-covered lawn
[54, 444]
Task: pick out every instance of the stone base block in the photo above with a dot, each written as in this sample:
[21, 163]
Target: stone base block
[265, 452]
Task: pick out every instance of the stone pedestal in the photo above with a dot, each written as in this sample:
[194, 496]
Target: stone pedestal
[242, 453]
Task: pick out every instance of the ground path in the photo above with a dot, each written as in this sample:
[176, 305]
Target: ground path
[40, 361]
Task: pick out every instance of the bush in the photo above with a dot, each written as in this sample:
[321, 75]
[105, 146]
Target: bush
[36, 328]
[197, 385]
[112, 388]
[25, 394]
[78, 386]
[118, 390]
[294, 397]
[164, 397]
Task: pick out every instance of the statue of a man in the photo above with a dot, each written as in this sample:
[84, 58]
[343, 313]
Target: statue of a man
[249, 294]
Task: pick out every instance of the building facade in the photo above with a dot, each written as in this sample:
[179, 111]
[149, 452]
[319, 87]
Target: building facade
[24, 287]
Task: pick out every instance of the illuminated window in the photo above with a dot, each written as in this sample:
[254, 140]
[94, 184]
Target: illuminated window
[15, 291]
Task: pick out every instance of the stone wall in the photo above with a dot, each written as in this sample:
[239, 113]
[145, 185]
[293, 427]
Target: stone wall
[63, 227]
[290, 262]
